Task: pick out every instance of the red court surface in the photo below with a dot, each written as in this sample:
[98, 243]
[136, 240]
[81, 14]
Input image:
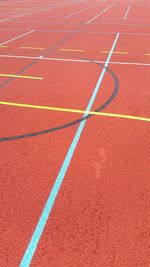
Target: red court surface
[74, 133]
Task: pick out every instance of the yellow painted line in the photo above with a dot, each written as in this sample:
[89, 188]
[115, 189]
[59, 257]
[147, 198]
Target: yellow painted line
[3, 46]
[115, 52]
[146, 54]
[20, 76]
[31, 47]
[72, 50]
[122, 116]
[81, 50]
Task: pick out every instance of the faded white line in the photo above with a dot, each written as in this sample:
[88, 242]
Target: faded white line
[126, 14]
[77, 31]
[35, 10]
[17, 37]
[77, 12]
[100, 14]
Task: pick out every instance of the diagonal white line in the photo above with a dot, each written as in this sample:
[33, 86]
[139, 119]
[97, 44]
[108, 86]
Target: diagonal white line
[17, 37]
[100, 13]
[77, 12]
[126, 14]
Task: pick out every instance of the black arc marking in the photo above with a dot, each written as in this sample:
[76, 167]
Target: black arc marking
[69, 124]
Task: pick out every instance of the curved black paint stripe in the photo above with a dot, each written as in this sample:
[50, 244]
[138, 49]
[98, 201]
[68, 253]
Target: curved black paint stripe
[60, 127]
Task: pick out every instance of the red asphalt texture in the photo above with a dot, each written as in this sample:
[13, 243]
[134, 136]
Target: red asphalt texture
[101, 216]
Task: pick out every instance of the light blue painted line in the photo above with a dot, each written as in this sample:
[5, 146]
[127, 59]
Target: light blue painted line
[26, 260]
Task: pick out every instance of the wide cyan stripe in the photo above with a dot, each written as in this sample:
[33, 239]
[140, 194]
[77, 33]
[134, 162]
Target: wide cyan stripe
[51, 199]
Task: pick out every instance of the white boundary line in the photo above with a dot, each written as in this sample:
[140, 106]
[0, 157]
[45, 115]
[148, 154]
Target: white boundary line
[13, 39]
[126, 14]
[100, 13]
[77, 12]
[77, 31]
[35, 10]
[21, 15]
[76, 60]
[81, 23]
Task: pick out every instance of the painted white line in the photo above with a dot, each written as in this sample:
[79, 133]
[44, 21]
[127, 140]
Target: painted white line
[97, 61]
[123, 24]
[126, 14]
[13, 39]
[67, 59]
[77, 12]
[76, 60]
[31, 10]
[18, 16]
[130, 63]
[35, 10]
[22, 10]
[100, 13]
[81, 23]
[78, 31]
[16, 56]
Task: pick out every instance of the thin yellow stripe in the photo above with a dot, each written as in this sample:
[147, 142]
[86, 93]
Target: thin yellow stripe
[3, 46]
[103, 51]
[115, 52]
[74, 50]
[20, 76]
[146, 54]
[76, 111]
[30, 47]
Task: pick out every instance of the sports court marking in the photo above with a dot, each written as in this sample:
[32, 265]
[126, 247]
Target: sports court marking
[77, 12]
[14, 11]
[116, 52]
[17, 37]
[35, 10]
[83, 50]
[78, 31]
[126, 14]
[80, 111]
[100, 14]
[3, 46]
[20, 76]
[71, 50]
[31, 47]
[26, 260]
[77, 60]
[83, 23]
[122, 24]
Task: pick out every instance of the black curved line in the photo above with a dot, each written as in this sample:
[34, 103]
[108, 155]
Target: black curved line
[60, 127]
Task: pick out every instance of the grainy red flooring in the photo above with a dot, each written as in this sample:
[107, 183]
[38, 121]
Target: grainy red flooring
[101, 215]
